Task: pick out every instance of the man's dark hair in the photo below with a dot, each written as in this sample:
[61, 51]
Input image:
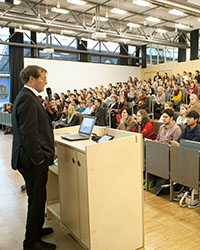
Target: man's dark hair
[99, 100]
[169, 112]
[32, 70]
[197, 71]
[194, 114]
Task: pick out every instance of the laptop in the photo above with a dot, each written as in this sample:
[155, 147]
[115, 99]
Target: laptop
[85, 130]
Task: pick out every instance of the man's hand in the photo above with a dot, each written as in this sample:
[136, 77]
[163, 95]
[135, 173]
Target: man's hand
[51, 105]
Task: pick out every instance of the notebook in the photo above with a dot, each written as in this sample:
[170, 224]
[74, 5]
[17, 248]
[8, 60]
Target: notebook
[85, 130]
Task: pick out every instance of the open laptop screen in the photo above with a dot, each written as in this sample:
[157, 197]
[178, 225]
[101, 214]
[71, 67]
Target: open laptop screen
[87, 125]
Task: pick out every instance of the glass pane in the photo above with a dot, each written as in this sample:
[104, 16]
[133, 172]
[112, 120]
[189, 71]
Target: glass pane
[175, 54]
[109, 60]
[64, 41]
[132, 50]
[27, 37]
[41, 38]
[96, 59]
[4, 89]
[4, 33]
[93, 45]
[107, 47]
[4, 64]
[65, 56]
[161, 56]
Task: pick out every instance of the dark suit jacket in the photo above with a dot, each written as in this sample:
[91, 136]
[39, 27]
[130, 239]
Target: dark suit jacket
[33, 141]
[100, 114]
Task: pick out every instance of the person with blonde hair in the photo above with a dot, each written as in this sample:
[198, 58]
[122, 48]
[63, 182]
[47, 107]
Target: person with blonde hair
[194, 103]
[181, 119]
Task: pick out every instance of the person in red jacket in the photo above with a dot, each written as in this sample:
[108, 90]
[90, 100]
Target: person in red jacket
[144, 125]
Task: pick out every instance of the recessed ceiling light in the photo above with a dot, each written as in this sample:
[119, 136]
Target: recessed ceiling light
[66, 32]
[124, 40]
[78, 2]
[153, 19]
[161, 31]
[20, 30]
[58, 10]
[118, 11]
[176, 12]
[141, 3]
[133, 25]
[101, 19]
[181, 26]
[16, 2]
[32, 26]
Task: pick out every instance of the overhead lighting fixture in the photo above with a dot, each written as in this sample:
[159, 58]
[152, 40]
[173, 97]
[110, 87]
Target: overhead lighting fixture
[66, 32]
[48, 50]
[60, 11]
[181, 26]
[2, 1]
[101, 19]
[20, 30]
[133, 25]
[153, 19]
[16, 2]
[161, 31]
[141, 3]
[118, 11]
[176, 12]
[78, 2]
[198, 19]
[124, 40]
[31, 26]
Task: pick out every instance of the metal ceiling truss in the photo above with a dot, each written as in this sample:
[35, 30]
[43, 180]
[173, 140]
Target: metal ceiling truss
[80, 27]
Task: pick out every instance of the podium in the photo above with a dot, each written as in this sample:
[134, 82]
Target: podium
[96, 191]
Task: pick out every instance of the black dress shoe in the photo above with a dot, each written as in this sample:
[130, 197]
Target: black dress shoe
[40, 245]
[46, 231]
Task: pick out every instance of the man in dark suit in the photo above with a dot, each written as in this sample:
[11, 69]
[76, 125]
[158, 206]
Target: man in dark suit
[99, 112]
[33, 152]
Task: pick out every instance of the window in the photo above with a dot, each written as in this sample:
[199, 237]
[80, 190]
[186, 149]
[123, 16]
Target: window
[93, 45]
[132, 50]
[4, 68]
[110, 47]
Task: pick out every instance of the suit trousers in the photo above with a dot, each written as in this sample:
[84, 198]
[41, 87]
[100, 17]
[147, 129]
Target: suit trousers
[35, 180]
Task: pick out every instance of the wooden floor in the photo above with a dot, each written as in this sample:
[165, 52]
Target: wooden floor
[167, 226]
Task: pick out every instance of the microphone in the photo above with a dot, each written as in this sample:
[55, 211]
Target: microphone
[49, 93]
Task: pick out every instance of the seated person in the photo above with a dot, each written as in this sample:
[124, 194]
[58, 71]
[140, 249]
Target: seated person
[83, 106]
[182, 119]
[192, 89]
[192, 130]
[89, 108]
[127, 121]
[99, 112]
[168, 105]
[159, 101]
[176, 95]
[194, 103]
[142, 100]
[144, 125]
[169, 131]
[68, 119]
[114, 103]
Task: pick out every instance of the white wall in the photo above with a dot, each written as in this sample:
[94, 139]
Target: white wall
[64, 75]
